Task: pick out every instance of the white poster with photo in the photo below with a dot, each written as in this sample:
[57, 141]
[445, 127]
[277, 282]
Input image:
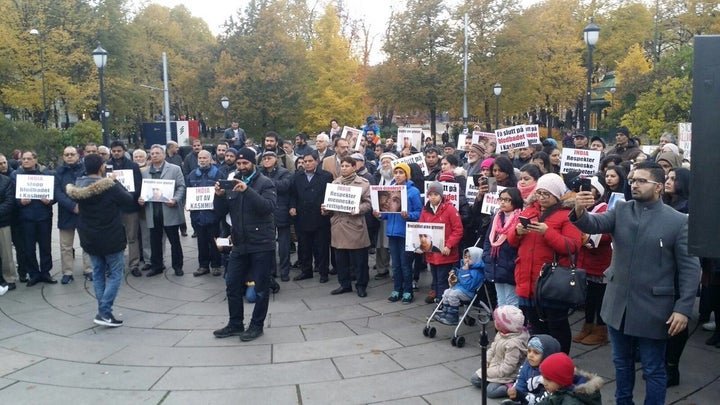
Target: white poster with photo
[471, 190]
[353, 137]
[388, 199]
[125, 177]
[342, 198]
[491, 201]
[532, 134]
[409, 137]
[451, 193]
[34, 187]
[461, 142]
[480, 135]
[584, 161]
[199, 198]
[157, 190]
[511, 138]
[685, 138]
[418, 158]
[424, 237]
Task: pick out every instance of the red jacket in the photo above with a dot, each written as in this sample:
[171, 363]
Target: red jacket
[446, 214]
[596, 260]
[534, 249]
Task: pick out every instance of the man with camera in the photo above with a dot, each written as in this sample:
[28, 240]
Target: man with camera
[250, 199]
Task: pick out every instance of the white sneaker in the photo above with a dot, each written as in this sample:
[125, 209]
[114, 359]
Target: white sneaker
[709, 326]
[3, 289]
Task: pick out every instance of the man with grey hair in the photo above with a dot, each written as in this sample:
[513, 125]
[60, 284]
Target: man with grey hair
[172, 154]
[104, 152]
[322, 145]
[205, 222]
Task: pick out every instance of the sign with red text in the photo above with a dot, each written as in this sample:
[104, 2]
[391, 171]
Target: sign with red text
[199, 198]
[584, 161]
[418, 158]
[685, 138]
[408, 137]
[532, 134]
[342, 198]
[451, 193]
[34, 187]
[511, 138]
[491, 201]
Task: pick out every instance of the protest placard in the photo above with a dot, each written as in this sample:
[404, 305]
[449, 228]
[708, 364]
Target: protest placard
[471, 190]
[125, 177]
[157, 190]
[34, 187]
[491, 201]
[409, 137]
[353, 137]
[416, 158]
[199, 198]
[685, 138]
[584, 161]
[388, 199]
[342, 198]
[511, 138]
[479, 136]
[532, 134]
[424, 237]
[451, 193]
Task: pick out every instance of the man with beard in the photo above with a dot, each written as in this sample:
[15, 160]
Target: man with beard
[383, 177]
[651, 282]
[131, 217]
[190, 162]
[281, 178]
[206, 222]
[273, 143]
[173, 153]
[220, 150]
[228, 165]
[475, 157]
[301, 146]
[432, 161]
[251, 205]
[332, 165]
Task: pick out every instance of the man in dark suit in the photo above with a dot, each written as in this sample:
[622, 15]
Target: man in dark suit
[307, 193]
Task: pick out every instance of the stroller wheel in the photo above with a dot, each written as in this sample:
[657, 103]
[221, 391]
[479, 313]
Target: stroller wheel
[426, 331]
[469, 321]
[453, 341]
[460, 342]
[432, 332]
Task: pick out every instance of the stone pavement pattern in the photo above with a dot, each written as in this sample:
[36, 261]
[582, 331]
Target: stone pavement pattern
[317, 348]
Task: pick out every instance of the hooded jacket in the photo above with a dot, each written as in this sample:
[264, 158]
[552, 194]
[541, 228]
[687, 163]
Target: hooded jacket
[101, 203]
[529, 380]
[470, 280]
[584, 391]
[506, 355]
[395, 222]
[670, 157]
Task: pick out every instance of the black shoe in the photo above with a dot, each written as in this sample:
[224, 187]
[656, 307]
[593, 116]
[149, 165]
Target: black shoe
[109, 321]
[323, 279]
[194, 235]
[32, 281]
[179, 272]
[251, 333]
[136, 273]
[712, 340]
[155, 272]
[47, 278]
[228, 331]
[353, 277]
[296, 265]
[332, 272]
[303, 276]
[183, 234]
[673, 375]
[146, 267]
[381, 276]
[23, 278]
[88, 276]
[341, 290]
[11, 286]
[284, 278]
[361, 292]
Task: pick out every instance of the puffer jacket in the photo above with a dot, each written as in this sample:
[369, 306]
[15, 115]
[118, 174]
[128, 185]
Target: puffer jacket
[448, 215]
[506, 354]
[469, 280]
[395, 222]
[584, 391]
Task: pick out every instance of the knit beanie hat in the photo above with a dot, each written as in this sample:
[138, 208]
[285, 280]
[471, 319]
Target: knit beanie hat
[559, 368]
[246, 154]
[446, 176]
[404, 166]
[544, 344]
[231, 150]
[478, 148]
[487, 163]
[595, 182]
[434, 187]
[553, 184]
[508, 318]
[388, 155]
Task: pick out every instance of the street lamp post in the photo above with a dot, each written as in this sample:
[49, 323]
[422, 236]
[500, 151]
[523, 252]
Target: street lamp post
[612, 96]
[592, 33]
[225, 102]
[497, 90]
[100, 59]
[42, 76]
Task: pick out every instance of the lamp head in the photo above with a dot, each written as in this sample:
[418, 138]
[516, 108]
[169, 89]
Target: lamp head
[592, 33]
[497, 89]
[100, 56]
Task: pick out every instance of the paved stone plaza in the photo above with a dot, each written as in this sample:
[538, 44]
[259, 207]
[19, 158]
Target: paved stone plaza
[317, 348]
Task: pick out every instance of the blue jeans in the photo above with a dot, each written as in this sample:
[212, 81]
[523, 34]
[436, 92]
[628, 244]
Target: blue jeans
[241, 268]
[400, 262]
[652, 356]
[506, 294]
[107, 286]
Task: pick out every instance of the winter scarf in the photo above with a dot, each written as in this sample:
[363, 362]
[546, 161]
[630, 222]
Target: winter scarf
[499, 232]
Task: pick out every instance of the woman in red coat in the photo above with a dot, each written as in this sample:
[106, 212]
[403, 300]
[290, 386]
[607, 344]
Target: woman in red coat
[438, 211]
[550, 232]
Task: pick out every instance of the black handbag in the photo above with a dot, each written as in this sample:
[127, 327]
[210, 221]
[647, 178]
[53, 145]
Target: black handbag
[560, 286]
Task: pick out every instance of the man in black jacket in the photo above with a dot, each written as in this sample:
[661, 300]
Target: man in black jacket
[251, 204]
[307, 193]
[101, 202]
[281, 178]
[7, 212]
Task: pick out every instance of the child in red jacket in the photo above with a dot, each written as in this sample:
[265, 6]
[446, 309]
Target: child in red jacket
[439, 212]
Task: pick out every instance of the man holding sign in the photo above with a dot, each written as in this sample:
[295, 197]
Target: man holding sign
[204, 221]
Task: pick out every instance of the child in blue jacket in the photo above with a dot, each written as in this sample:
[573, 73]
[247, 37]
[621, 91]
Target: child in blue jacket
[463, 283]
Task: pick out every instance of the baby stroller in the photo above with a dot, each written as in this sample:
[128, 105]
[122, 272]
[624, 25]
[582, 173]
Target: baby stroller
[475, 304]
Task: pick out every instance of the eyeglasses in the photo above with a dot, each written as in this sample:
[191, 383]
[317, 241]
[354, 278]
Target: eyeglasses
[505, 200]
[542, 194]
[69, 154]
[641, 181]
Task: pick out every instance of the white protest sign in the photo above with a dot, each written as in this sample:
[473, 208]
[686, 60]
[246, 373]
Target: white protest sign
[584, 161]
[491, 201]
[451, 193]
[532, 134]
[388, 199]
[125, 177]
[353, 137]
[409, 137]
[199, 198]
[685, 138]
[424, 237]
[34, 187]
[471, 190]
[157, 190]
[342, 198]
[511, 138]
[416, 158]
